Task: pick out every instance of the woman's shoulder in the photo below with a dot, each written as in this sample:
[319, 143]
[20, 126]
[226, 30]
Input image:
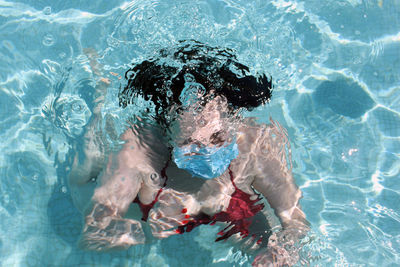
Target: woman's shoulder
[249, 131]
[251, 127]
[263, 140]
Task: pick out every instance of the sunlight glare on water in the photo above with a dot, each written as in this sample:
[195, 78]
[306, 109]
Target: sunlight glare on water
[334, 66]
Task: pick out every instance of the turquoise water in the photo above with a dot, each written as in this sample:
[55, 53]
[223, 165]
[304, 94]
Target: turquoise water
[335, 66]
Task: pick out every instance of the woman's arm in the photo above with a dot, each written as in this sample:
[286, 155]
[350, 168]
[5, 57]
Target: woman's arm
[275, 182]
[90, 150]
[105, 228]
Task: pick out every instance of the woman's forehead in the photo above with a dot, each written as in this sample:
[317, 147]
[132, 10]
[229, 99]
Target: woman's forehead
[210, 115]
[204, 122]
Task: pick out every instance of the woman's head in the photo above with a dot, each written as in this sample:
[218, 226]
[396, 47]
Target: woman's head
[193, 73]
[211, 124]
[204, 138]
[196, 91]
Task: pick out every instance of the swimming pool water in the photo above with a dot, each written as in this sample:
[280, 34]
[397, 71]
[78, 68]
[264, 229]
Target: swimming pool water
[335, 66]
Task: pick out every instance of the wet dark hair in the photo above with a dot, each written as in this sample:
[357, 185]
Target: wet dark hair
[161, 79]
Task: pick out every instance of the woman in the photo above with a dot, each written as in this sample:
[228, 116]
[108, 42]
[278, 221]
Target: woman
[190, 158]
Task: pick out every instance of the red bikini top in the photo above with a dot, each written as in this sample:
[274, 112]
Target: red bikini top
[239, 213]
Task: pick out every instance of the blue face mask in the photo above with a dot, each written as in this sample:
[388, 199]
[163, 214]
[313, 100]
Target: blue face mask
[203, 161]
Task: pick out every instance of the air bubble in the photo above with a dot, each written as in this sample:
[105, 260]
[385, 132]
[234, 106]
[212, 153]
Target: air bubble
[35, 177]
[72, 114]
[64, 189]
[77, 107]
[189, 77]
[154, 176]
[47, 10]
[48, 40]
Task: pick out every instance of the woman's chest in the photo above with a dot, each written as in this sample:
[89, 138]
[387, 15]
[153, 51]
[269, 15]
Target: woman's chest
[216, 200]
[183, 191]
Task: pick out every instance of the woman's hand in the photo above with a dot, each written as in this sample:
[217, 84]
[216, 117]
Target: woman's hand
[283, 247]
[173, 210]
[275, 258]
[276, 254]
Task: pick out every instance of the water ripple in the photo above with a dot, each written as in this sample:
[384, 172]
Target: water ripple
[69, 113]
[347, 167]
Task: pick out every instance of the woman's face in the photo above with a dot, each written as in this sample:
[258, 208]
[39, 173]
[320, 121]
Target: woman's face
[207, 126]
[205, 143]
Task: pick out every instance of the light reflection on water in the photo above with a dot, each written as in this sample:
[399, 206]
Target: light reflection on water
[347, 166]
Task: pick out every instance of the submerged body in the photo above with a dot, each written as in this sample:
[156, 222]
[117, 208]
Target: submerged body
[227, 164]
[173, 201]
